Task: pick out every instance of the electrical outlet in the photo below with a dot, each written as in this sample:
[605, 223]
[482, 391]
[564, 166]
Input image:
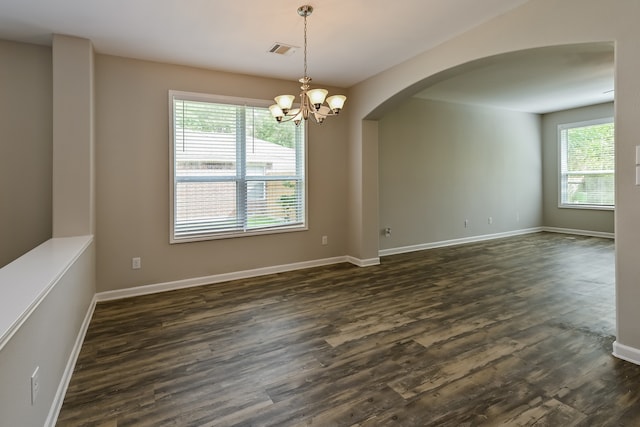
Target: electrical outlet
[35, 384]
[387, 232]
[325, 240]
[490, 220]
[466, 223]
[136, 263]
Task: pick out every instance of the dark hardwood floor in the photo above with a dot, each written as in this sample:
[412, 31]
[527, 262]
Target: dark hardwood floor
[515, 331]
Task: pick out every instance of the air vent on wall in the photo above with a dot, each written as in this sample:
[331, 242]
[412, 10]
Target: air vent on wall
[282, 49]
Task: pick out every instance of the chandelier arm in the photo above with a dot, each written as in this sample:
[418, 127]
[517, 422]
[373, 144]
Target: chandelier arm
[330, 113]
[311, 111]
[287, 118]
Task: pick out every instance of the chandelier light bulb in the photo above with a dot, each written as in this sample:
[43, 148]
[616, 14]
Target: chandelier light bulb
[285, 102]
[276, 112]
[317, 96]
[321, 114]
[336, 102]
[297, 115]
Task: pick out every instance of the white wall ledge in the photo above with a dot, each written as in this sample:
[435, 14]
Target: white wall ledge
[25, 282]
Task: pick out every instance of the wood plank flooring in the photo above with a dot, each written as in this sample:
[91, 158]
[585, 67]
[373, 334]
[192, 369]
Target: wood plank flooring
[515, 331]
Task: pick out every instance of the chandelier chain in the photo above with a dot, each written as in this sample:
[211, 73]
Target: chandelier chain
[305, 45]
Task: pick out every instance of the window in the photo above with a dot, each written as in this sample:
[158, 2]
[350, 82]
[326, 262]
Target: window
[235, 170]
[587, 164]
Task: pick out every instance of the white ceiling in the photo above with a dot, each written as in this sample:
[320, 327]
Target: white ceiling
[537, 81]
[349, 41]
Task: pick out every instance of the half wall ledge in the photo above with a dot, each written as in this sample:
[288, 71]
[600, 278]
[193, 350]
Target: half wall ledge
[26, 281]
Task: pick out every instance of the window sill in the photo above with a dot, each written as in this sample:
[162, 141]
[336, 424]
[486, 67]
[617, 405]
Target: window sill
[588, 207]
[232, 235]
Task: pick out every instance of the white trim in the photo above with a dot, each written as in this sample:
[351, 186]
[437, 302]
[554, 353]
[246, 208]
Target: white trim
[217, 278]
[364, 262]
[30, 278]
[588, 207]
[589, 233]
[221, 99]
[58, 399]
[627, 353]
[453, 242]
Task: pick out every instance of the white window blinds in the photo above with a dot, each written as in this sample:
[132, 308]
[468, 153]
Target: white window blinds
[587, 164]
[236, 171]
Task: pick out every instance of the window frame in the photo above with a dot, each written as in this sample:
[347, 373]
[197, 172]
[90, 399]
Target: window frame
[238, 101]
[565, 126]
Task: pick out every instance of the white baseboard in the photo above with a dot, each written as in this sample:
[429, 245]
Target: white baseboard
[627, 353]
[453, 242]
[225, 277]
[579, 232]
[364, 262]
[58, 399]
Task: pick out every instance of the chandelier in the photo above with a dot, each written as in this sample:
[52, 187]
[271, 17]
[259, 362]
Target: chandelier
[313, 103]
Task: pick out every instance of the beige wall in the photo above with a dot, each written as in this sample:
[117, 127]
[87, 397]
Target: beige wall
[442, 163]
[564, 22]
[73, 137]
[579, 219]
[132, 154]
[25, 148]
